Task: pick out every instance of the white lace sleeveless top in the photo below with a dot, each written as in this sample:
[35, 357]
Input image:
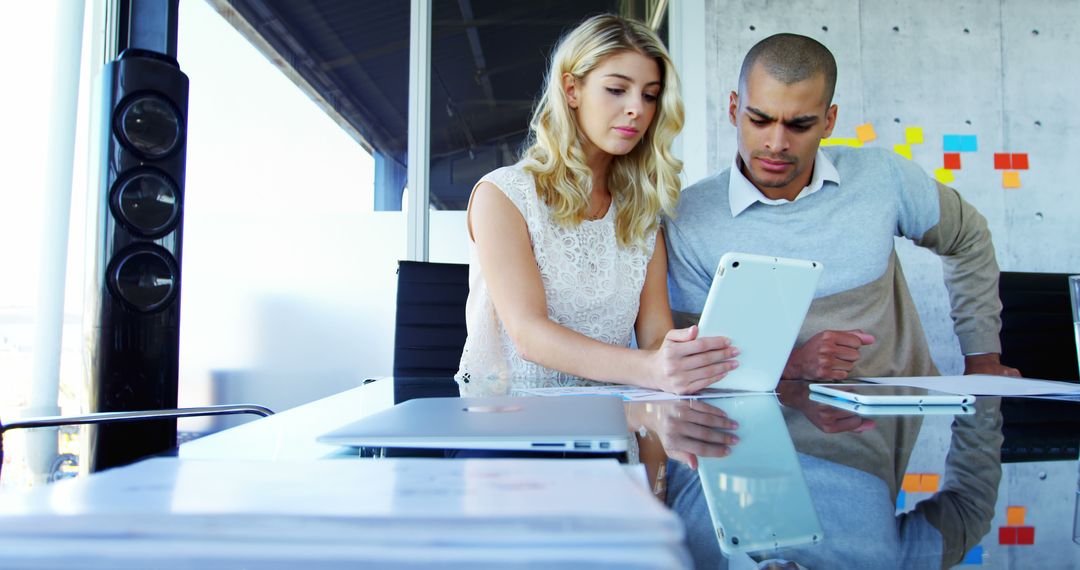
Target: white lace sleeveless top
[592, 284]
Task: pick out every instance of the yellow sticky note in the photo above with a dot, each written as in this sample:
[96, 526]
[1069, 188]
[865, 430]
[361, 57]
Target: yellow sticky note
[1010, 179]
[865, 132]
[913, 135]
[911, 483]
[903, 150]
[834, 141]
[945, 176]
[929, 483]
[1014, 516]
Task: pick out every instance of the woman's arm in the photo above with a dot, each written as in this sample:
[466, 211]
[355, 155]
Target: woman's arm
[513, 279]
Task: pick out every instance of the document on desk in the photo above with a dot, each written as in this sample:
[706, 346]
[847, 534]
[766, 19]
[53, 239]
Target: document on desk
[464, 503]
[982, 385]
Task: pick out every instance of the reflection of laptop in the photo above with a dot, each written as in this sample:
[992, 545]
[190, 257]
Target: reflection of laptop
[757, 496]
[586, 424]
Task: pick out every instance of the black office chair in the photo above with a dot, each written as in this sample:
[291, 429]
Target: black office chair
[1037, 334]
[429, 331]
[132, 416]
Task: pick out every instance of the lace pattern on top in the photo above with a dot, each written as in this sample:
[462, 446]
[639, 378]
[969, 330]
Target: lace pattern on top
[592, 285]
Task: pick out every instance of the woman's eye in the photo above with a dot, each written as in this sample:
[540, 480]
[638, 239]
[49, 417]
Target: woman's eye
[650, 97]
[616, 90]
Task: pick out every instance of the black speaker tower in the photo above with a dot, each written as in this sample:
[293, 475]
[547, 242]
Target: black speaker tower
[134, 293]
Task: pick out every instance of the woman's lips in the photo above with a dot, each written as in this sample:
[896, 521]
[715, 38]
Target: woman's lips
[627, 131]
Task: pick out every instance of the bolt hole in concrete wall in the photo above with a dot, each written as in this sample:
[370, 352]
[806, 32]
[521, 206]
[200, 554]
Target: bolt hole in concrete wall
[984, 73]
[1001, 71]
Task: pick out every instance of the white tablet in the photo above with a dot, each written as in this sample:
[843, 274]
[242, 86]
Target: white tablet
[884, 395]
[893, 409]
[759, 302]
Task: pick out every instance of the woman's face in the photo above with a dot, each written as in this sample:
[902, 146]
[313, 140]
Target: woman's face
[615, 102]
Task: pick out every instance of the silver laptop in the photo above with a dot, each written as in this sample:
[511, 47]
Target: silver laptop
[576, 424]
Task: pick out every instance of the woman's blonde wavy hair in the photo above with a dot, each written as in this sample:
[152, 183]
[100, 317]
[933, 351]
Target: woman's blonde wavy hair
[643, 182]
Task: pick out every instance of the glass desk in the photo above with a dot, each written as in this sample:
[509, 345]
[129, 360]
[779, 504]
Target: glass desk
[996, 488]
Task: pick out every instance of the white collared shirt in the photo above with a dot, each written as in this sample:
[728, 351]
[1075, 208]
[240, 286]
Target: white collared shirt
[742, 193]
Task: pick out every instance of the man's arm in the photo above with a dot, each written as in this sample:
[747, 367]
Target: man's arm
[962, 239]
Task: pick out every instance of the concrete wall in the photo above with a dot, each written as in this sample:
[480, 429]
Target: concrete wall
[1002, 70]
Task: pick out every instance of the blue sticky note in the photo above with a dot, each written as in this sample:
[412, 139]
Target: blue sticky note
[900, 500]
[960, 143]
[975, 557]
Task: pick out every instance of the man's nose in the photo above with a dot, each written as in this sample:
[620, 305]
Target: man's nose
[776, 140]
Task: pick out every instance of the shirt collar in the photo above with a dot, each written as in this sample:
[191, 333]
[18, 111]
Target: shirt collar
[742, 193]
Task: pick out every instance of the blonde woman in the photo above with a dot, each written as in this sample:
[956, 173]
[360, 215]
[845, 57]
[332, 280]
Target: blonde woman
[567, 260]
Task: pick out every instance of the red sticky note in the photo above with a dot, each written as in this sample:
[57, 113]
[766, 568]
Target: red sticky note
[1002, 161]
[952, 160]
[1019, 161]
[1025, 535]
[1007, 535]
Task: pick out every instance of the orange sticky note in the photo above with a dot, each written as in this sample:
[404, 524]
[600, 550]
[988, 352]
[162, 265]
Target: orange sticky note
[944, 175]
[929, 482]
[1020, 161]
[1014, 516]
[1010, 179]
[865, 132]
[911, 483]
[903, 150]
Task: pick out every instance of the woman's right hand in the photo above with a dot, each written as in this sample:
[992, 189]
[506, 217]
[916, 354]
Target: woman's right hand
[686, 364]
[688, 429]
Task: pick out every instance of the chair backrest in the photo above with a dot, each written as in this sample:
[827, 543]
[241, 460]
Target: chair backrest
[430, 323]
[1037, 333]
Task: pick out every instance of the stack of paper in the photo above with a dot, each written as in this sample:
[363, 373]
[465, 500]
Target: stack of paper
[172, 513]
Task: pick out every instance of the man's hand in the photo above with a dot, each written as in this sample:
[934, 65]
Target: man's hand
[828, 355]
[989, 363]
[826, 418]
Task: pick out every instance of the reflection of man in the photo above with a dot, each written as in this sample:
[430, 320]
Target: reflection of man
[786, 197]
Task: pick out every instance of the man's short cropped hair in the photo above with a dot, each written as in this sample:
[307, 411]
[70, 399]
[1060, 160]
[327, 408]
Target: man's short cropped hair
[790, 58]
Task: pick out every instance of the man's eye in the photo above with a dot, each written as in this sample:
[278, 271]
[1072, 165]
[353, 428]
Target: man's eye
[799, 128]
[759, 122]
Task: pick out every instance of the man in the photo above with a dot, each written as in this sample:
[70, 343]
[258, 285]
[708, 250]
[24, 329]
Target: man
[784, 196]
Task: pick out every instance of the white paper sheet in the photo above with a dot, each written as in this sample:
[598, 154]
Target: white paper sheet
[982, 385]
[387, 501]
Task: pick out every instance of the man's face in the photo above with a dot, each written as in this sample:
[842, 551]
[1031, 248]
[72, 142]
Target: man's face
[779, 129]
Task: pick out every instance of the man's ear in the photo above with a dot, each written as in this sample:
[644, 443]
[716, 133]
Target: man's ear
[569, 85]
[733, 107]
[830, 121]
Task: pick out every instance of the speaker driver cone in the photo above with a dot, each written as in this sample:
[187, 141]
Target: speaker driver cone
[149, 125]
[144, 277]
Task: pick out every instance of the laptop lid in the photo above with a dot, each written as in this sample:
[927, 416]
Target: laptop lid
[578, 424]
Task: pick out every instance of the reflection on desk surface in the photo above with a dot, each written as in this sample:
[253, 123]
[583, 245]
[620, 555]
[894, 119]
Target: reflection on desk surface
[913, 491]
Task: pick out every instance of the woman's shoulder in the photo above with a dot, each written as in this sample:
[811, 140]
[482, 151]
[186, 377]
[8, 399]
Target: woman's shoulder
[513, 180]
